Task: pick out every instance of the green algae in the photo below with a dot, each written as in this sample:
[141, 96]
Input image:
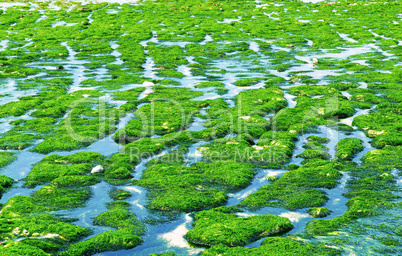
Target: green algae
[221, 226]
[119, 194]
[38, 125]
[5, 183]
[19, 218]
[55, 198]
[71, 181]
[314, 153]
[167, 112]
[6, 158]
[16, 141]
[230, 42]
[248, 81]
[275, 246]
[296, 189]
[370, 192]
[163, 254]
[311, 90]
[319, 212]
[194, 186]
[119, 217]
[313, 144]
[383, 127]
[346, 149]
[209, 84]
[20, 248]
[387, 156]
[55, 166]
[315, 138]
[118, 168]
[106, 241]
[289, 198]
[314, 149]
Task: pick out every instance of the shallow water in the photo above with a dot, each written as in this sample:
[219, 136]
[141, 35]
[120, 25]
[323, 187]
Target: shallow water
[170, 235]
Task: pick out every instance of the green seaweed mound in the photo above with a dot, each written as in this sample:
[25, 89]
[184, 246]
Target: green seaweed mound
[222, 226]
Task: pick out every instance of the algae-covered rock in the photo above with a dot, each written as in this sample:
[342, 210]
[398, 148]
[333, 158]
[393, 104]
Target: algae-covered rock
[346, 149]
[42, 224]
[296, 189]
[119, 217]
[315, 138]
[45, 172]
[56, 198]
[311, 153]
[221, 226]
[388, 156]
[200, 186]
[290, 198]
[13, 248]
[5, 183]
[106, 241]
[274, 246]
[6, 158]
[384, 127]
[163, 254]
[319, 212]
[119, 194]
[59, 167]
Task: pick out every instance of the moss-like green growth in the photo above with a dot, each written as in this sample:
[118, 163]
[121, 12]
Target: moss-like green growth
[296, 188]
[370, 191]
[272, 148]
[311, 90]
[6, 158]
[163, 254]
[45, 58]
[364, 96]
[16, 141]
[314, 153]
[274, 246]
[55, 166]
[319, 212]
[159, 117]
[118, 168]
[75, 180]
[346, 149]
[176, 187]
[289, 198]
[315, 146]
[5, 183]
[221, 226]
[384, 127]
[42, 224]
[248, 81]
[106, 241]
[119, 194]
[318, 139]
[119, 217]
[88, 121]
[12, 248]
[209, 84]
[45, 172]
[387, 157]
[37, 125]
[50, 245]
[55, 198]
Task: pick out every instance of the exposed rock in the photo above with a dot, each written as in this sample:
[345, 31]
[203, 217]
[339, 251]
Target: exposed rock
[97, 169]
[148, 84]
